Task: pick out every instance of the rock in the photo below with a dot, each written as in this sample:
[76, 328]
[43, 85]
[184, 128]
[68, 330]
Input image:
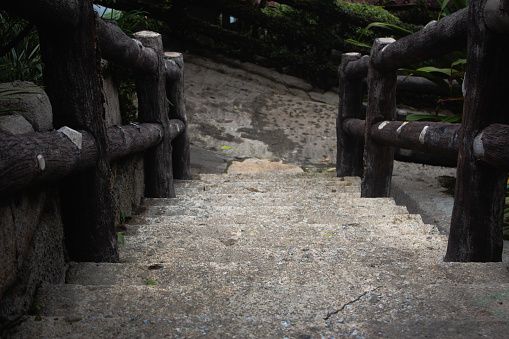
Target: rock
[33, 106]
[254, 165]
[15, 124]
[32, 247]
[111, 102]
[285, 79]
[129, 185]
[330, 98]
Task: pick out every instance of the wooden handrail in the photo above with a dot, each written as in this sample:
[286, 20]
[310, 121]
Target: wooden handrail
[35, 158]
[437, 38]
[480, 142]
[70, 51]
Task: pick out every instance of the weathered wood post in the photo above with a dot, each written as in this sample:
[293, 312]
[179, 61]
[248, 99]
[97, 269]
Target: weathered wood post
[176, 96]
[73, 85]
[476, 225]
[152, 105]
[350, 150]
[378, 159]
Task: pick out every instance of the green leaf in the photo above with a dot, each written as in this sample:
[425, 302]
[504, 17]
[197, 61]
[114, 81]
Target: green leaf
[150, 282]
[235, 107]
[328, 235]
[444, 3]
[459, 62]
[446, 71]
[391, 27]
[418, 117]
[121, 238]
[226, 147]
[357, 43]
[454, 118]
[440, 82]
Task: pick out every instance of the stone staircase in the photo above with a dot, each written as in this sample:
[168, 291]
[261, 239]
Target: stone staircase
[275, 256]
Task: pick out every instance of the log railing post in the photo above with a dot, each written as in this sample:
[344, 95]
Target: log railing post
[72, 82]
[176, 96]
[378, 159]
[349, 149]
[152, 105]
[476, 224]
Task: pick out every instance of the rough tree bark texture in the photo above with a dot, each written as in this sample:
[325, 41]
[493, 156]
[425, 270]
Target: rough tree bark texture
[495, 141]
[73, 86]
[378, 159]
[430, 137]
[117, 47]
[175, 93]
[151, 89]
[437, 38]
[131, 139]
[350, 150]
[41, 157]
[476, 225]
[359, 69]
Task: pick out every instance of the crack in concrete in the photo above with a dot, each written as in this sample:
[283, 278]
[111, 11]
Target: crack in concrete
[359, 297]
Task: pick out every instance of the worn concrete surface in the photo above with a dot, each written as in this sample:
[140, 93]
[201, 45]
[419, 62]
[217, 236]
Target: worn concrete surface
[276, 255]
[262, 114]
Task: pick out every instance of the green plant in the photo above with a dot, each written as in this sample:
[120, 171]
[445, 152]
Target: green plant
[150, 282]
[446, 9]
[126, 95]
[20, 57]
[34, 309]
[449, 183]
[121, 227]
[447, 71]
[124, 217]
[131, 21]
[304, 43]
[418, 14]
[121, 238]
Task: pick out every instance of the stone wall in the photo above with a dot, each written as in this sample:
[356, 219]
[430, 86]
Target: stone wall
[32, 247]
[128, 173]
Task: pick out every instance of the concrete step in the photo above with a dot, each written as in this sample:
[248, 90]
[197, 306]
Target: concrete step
[307, 302]
[275, 256]
[196, 327]
[215, 327]
[281, 310]
[283, 227]
[290, 271]
[235, 205]
[261, 186]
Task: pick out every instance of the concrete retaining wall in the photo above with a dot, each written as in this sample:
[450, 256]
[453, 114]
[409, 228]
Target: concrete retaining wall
[32, 248]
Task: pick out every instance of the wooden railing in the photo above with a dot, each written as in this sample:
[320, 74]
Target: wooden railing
[481, 143]
[242, 29]
[78, 154]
